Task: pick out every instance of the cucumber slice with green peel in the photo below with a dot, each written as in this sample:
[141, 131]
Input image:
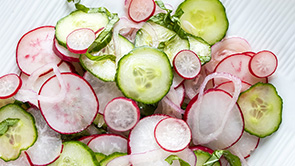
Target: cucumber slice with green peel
[76, 153]
[100, 156]
[204, 18]
[79, 19]
[18, 136]
[106, 69]
[262, 109]
[174, 45]
[144, 75]
[110, 157]
[152, 34]
[200, 47]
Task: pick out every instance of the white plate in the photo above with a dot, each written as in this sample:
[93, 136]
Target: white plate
[266, 24]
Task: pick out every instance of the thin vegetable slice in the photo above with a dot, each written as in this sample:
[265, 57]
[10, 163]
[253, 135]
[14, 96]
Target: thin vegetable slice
[9, 85]
[141, 10]
[19, 135]
[70, 114]
[262, 109]
[79, 40]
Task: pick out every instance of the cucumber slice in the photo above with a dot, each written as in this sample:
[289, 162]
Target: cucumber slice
[262, 109]
[202, 17]
[76, 153]
[79, 19]
[144, 75]
[106, 69]
[152, 34]
[110, 157]
[200, 47]
[19, 136]
[99, 156]
[174, 45]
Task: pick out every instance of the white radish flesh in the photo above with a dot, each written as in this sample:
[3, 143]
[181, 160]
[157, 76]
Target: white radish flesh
[108, 144]
[141, 10]
[35, 50]
[79, 40]
[48, 146]
[172, 135]
[263, 64]
[187, 64]
[75, 111]
[121, 114]
[229, 87]
[9, 85]
[105, 91]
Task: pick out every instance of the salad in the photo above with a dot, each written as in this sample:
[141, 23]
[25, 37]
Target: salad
[157, 86]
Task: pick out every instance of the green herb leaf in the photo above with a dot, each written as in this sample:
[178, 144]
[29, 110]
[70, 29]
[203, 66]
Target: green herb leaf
[5, 124]
[232, 159]
[81, 7]
[171, 158]
[104, 38]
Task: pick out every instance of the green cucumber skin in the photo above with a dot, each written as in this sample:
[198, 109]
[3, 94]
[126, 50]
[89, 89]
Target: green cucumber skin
[170, 74]
[110, 157]
[280, 101]
[33, 121]
[226, 26]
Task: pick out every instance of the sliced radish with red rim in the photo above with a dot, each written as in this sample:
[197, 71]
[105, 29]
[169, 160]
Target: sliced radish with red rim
[75, 110]
[172, 134]
[9, 85]
[64, 53]
[237, 65]
[79, 40]
[34, 49]
[229, 86]
[263, 64]
[121, 114]
[108, 144]
[86, 139]
[187, 64]
[141, 10]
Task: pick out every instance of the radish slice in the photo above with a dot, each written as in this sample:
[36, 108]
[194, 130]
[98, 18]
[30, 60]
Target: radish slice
[187, 64]
[263, 64]
[86, 139]
[121, 114]
[177, 80]
[172, 134]
[34, 50]
[105, 91]
[48, 146]
[141, 10]
[75, 111]
[108, 144]
[9, 85]
[64, 53]
[80, 39]
[237, 65]
[141, 137]
[247, 144]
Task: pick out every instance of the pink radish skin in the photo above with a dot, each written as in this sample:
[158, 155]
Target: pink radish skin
[64, 53]
[172, 134]
[121, 114]
[237, 65]
[34, 50]
[187, 64]
[229, 87]
[108, 144]
[141, 10]
[250, 53]
[80, 39]
[9, 85]
[177, 80]
[86, 139]
[75, 111]
[263, 64]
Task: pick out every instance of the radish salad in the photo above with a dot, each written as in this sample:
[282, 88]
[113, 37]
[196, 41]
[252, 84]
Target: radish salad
[156, 86]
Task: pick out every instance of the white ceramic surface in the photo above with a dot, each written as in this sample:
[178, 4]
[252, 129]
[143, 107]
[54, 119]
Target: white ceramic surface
[266, 24]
